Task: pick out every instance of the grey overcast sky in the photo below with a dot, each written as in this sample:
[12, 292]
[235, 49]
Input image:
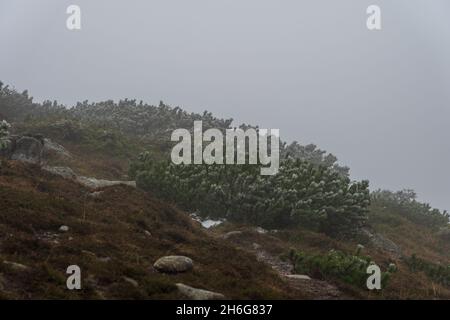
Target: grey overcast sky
[378, 100]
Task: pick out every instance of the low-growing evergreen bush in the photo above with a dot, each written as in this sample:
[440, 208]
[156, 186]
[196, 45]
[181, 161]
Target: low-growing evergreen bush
[301, 193]
[405, 203]
[337, 265]
[436, 272]
[4, 127]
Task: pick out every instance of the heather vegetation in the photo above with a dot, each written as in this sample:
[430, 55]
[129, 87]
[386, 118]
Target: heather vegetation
[311, 206]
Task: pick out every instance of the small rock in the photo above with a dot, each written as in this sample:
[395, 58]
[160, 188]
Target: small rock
[16, 266]
[173, 264]
[260, 230]
[64, 229]
[95, 194]
[89, 253]
[198, 294]
[231, 234]
[131, 281]
[147, 233]
[298, 277]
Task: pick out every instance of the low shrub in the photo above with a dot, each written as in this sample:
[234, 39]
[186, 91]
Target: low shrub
[337, 265]
[301, 193]
[436, 272]
[405, 203]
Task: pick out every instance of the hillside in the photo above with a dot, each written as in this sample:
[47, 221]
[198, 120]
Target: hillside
[116, 233]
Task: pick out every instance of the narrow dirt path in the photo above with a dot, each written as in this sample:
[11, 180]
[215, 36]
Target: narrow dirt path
[316, 289]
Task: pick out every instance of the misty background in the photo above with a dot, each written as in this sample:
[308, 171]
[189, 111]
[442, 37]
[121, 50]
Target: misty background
[378, 100]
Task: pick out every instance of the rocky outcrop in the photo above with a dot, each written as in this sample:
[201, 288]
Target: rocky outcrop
[94, 183]
[36, 149]
[173, 264]
[27, 149]
[53, 148]
[64, 172]
[297, 276]
[381, 242]
[32, 148]
[198, 294]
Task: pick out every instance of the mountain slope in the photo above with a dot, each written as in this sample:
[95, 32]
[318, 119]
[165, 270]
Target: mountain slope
[116, 233]
[119, 233]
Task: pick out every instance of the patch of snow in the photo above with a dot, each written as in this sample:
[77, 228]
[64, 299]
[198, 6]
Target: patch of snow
[210, 223]
[207, 223]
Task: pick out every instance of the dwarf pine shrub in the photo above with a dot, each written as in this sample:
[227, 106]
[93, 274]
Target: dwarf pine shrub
[436, 272]
[337, 265]
[4, 133]
[405, 203]
[301, 193]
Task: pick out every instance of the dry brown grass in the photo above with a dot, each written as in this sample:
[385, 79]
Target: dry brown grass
[34, 204]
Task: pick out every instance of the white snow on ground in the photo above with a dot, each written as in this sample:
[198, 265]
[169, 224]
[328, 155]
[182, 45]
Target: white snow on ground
[207, 223]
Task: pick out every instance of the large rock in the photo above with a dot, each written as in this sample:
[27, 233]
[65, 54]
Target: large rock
[198, 294]
[64, 172]
[16, 266]
[53, 148]
[297, 276]
[99, 183]
[231, 234]
[27, 149]
[173, 264]
[91, 183]
[381, 242]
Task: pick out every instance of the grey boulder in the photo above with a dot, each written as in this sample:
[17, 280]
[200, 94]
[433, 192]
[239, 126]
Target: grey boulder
[173, 264]
[28, 149]
[198, 294]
